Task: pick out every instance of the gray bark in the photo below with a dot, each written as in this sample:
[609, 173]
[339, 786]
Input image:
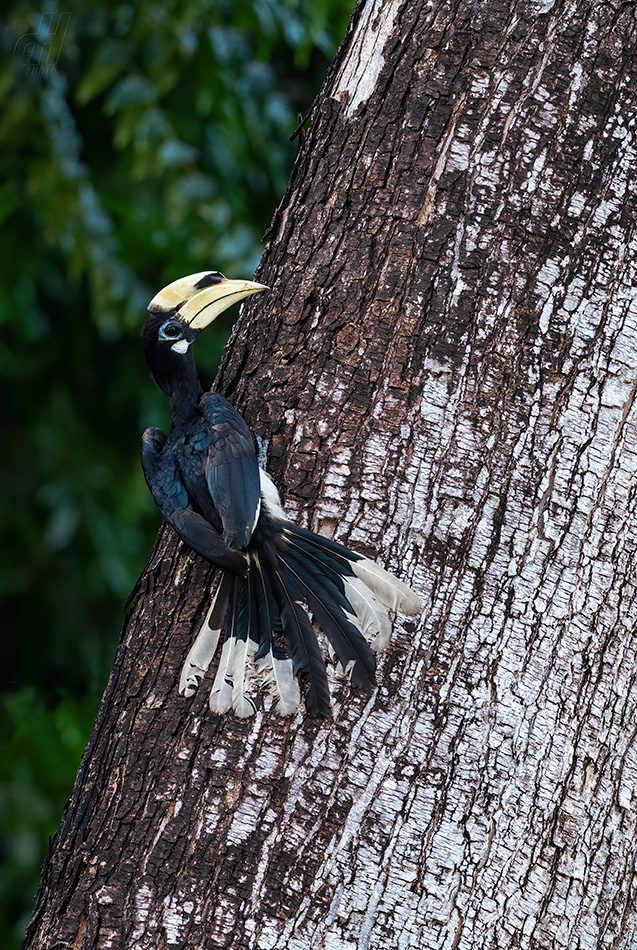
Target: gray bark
[445, 371]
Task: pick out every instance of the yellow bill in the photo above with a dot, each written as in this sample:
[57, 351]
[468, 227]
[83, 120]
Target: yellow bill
[198, 299]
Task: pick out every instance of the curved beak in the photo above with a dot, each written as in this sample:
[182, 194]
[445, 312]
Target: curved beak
[197, 299]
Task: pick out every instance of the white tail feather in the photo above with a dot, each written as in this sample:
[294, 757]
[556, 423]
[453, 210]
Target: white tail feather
[243, 654]
[372, 618]
[282, 685]
[391, 592]
[221, 693]
[270, 496]
[200, 655]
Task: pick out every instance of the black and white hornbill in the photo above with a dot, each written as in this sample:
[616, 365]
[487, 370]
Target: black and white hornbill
[207, 483]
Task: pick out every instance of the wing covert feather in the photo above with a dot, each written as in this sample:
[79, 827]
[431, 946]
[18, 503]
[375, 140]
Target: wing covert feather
[232, 469]
[171, 497]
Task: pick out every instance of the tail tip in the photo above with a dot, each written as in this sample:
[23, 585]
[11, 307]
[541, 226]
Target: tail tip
[191, 677]
[411, 604]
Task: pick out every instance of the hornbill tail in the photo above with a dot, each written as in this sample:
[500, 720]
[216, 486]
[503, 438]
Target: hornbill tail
[349, 596]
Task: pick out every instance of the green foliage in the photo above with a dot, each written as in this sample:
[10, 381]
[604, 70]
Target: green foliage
[140, 143]
[41, 750]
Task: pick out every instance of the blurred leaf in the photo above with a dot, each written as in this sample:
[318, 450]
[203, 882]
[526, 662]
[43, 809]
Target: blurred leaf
[40, 747]
[100, 76]
[130, 91]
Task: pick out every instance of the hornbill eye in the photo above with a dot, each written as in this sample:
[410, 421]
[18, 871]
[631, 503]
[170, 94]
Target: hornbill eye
[171, 331]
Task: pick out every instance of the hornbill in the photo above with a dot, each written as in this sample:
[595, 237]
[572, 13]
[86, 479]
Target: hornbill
[207, 483]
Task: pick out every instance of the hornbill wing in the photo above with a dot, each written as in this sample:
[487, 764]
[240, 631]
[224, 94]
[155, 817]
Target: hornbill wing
[171, 497]
[232, 469]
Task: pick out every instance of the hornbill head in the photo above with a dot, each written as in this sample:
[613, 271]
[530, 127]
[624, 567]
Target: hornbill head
[183, 308]
[177, 314]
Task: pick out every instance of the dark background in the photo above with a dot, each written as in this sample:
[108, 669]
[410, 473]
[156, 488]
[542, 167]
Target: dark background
[140, 142]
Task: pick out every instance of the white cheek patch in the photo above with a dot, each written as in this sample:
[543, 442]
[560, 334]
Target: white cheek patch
[180, 346]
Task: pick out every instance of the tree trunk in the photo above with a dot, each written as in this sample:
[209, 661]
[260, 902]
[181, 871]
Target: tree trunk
[445, 369]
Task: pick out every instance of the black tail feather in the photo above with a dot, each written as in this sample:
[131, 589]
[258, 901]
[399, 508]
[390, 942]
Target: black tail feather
[268, 620]
[219, 617]
[303, 647]
[255, 626]
[391, 592]
[242, 610]
[323, 544]
[328, 604]
[322, 561]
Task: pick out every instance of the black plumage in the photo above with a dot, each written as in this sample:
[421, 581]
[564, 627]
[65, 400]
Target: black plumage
[205, 478]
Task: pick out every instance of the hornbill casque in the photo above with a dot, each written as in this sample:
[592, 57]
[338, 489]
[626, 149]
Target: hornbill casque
[207, 483]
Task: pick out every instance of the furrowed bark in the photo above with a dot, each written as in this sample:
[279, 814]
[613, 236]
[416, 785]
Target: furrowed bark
[445, 372]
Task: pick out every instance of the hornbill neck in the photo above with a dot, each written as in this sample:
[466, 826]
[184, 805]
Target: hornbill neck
[176, 375]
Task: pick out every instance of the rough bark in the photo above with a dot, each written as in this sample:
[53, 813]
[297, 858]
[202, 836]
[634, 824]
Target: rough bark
[445, 371]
